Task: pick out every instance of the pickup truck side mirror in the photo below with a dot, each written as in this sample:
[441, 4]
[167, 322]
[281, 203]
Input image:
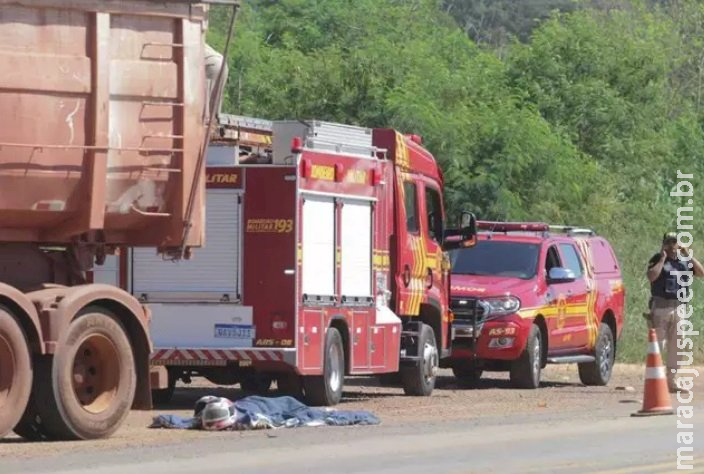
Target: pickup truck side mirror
[465, 236]
[561, 275]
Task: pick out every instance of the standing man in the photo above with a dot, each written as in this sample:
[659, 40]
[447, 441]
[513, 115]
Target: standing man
[664, 301]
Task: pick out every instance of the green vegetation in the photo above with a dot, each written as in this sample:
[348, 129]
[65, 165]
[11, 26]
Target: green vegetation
[582, 115]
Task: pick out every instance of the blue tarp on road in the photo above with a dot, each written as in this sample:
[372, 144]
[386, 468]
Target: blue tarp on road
[257, 412]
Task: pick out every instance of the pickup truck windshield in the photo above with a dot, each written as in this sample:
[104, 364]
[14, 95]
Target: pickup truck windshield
[497, 258]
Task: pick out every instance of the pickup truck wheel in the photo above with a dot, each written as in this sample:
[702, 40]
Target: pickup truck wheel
[15, 372]
[599, 371]
[326, 389]
[420, 380]
[467, 375]
[86, 389]
[525, 371]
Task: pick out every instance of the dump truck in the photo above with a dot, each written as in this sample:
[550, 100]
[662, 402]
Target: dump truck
[326, 257]
[105, 109]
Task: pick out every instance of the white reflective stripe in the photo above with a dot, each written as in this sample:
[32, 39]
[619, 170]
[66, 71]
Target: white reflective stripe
[653, 348]
[259, 355]
[655, 372]
[186, 355]
[215, 354]
[243, 355]
[200, 354]
[168, 354]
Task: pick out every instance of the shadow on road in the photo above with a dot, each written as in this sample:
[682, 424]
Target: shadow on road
[487, 383]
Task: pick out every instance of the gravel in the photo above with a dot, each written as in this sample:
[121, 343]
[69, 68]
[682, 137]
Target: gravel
[561, 391]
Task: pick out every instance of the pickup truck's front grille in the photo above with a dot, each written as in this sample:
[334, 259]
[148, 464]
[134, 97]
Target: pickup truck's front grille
[467, 309]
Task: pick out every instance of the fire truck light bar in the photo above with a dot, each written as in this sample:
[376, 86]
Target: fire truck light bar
[513, 226]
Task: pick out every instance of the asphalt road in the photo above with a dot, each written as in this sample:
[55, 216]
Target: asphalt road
[608, 441]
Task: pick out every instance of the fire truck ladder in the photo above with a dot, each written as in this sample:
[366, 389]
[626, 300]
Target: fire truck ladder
[251, 134]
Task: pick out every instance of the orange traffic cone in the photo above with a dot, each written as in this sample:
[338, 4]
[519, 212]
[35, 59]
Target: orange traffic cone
[656, 396]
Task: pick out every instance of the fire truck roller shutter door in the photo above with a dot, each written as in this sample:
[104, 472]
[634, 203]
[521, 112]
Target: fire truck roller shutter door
[213, 272]
[318, 278]
[356, 244]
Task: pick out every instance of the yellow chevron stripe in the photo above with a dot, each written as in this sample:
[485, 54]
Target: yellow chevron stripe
[402, 158]
[415, 308]
[550, 311]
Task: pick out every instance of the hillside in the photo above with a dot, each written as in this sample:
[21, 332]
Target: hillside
[582, 118]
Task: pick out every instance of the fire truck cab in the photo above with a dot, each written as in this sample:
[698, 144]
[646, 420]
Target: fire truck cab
[324, 257]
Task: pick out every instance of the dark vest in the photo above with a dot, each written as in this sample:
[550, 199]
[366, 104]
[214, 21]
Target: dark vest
[666, 285]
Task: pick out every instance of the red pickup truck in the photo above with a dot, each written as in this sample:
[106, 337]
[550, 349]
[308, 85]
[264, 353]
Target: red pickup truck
[529, 294]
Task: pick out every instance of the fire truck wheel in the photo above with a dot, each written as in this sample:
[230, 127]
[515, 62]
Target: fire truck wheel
[525, 371]
[420, 380]
[467, 375]
[86, 389]
[15, 372]
[599, 371]
[326, 389]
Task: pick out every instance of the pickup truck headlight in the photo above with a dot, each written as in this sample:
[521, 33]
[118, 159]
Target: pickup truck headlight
[501, 306]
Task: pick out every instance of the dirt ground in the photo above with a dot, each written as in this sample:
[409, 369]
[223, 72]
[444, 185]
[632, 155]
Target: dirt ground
[560, 391]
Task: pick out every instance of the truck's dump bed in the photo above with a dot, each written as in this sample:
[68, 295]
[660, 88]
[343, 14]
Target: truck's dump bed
[102, 113]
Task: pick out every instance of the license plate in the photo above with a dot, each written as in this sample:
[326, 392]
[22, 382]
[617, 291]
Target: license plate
[234, 331]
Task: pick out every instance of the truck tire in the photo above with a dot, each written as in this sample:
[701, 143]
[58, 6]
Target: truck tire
[86, 389]
[525, 371]
[599, 371]
[326, 389]
[419, 380]
[15, 372]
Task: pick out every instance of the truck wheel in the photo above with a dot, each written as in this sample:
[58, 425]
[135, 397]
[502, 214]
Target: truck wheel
[15, 372]
[419, 380]
[162, 396]
[326, 389]
[467, 375]
[599, 371]
[86, 389]
[525, 371]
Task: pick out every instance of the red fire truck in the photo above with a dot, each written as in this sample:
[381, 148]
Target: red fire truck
[324, 257]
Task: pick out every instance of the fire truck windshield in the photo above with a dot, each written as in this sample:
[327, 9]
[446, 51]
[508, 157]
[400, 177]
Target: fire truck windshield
[497, 258]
